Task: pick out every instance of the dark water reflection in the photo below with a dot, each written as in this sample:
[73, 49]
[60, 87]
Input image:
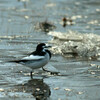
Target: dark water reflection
[37, 87]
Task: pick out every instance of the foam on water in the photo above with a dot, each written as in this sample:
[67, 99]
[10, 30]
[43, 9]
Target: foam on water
[74, 43]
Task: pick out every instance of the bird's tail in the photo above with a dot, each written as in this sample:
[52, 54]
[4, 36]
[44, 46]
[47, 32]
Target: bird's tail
[14, 61]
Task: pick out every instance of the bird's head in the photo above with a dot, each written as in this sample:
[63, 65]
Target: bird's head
[42, 46]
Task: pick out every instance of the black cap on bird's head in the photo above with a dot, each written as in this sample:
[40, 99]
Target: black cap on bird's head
[41, 46]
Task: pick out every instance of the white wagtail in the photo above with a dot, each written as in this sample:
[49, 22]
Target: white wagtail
[36, 59]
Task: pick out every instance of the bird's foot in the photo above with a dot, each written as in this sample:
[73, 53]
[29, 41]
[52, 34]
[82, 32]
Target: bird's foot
[52, 73]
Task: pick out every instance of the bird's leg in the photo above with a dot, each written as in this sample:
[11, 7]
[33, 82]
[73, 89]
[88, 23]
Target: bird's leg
[31, 75]
[45, 70]
[50, 71]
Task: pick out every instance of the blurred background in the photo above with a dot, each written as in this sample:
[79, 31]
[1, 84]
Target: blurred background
[72, 27]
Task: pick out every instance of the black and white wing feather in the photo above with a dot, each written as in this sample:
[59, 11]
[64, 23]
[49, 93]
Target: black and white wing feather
[29, 58]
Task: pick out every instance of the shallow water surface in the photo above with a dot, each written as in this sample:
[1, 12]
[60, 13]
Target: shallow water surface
[75, 49]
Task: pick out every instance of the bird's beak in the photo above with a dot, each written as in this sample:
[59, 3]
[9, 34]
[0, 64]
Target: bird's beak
[47, 46]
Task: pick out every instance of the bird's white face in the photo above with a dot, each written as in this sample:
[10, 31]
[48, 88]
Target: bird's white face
[45, 47]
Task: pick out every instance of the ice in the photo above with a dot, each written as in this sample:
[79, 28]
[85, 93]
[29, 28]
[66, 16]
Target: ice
[83, 45]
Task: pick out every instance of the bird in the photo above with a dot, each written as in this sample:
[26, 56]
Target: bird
[37, 59]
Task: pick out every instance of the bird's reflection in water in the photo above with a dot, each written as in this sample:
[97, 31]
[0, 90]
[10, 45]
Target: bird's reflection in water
[39, 89]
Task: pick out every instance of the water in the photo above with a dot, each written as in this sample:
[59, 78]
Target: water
[75, 49]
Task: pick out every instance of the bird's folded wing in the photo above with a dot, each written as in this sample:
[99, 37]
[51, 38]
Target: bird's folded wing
[32, 57]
